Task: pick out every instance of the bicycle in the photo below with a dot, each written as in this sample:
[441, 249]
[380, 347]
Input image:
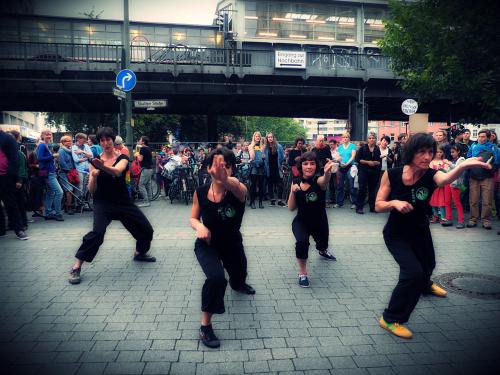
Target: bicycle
[183, 185]
[134, 186]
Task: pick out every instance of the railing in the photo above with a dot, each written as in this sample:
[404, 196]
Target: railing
[100, 53]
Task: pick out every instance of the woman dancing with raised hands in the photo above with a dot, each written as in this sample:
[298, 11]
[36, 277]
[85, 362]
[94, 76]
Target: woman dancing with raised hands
[311, 220]
[405, 192]
[220, 205]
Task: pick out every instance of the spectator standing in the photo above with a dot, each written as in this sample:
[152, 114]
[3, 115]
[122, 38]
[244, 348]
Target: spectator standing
[54, 193]
[440, 196]
[66, 165]
[454, 190]
[347, 152]
[322, 152]
[81, 155]
[275, 156]
[36, 183]
[95, 148]
[481, 180]
[386, 155]
[398, 151]
[9, 177]
[145, 158]
[119, 146]
[22, 180]
[441, 138]
[332, 185]
[257, 169]
[368, 159]
[295, 154]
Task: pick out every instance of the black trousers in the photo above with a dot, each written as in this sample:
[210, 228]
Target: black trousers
[21, 204]
[370, 181]
[302, 229]
[8, 197]
[256, 181]
[130, 216]
[213, 260]
[273, 186]
[415, 255]
[36, 186]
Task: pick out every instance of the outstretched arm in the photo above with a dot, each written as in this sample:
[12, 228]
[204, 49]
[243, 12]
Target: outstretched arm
[442, 178]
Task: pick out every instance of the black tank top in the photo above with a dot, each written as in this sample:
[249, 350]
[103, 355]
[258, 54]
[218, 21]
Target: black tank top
[311, 202]
[223, 219]
[417, 194]
[110, 188]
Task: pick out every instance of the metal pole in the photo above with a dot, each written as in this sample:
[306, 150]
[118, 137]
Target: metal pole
[126, 65]
[118, 121]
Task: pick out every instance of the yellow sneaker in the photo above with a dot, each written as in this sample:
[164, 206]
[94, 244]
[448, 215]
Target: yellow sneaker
[437, 291]
[396, 329]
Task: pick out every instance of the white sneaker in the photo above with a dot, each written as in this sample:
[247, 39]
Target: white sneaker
[353, 206]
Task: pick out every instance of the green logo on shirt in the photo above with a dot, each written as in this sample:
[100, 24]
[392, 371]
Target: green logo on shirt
[226, 212]
[422, 193]
[311, 197]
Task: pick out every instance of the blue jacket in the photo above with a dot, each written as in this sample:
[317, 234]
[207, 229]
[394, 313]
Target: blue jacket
[66, 159]
[281, 158]
[477, 148]
[45, 158]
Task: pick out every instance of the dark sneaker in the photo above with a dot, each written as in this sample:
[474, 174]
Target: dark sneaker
[208, 338]
[360, 211]
[245, 289]
[252, 205]
[261, 205]
[21, 235]
[327, 255]
[273, 203]
[487, 226]
[303, 281]
[471, 224]
[460, 226]
[50, 217]
[281, 204]
[74, 276]
[59, 217]
[446, 223]
[71, 212]
[144, 258]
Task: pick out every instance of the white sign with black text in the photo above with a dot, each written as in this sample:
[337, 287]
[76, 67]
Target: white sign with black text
[151, 104]
[409, 107]
[290, 59]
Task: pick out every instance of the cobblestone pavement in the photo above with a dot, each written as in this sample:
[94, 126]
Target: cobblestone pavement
[129, 318]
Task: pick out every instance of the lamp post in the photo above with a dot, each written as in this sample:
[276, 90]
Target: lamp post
[125, 65]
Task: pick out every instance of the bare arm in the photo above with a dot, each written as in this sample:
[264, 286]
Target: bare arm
[292, 204]
[442, 178]
[353, 156]
[116, 171]
[251, 151]
[92, 184]
[325, 179]
[237, 188]
[382, 204]
[202, 232]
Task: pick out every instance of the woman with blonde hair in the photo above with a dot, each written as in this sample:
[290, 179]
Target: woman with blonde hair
[66, 165]
[257, 168]
[275, 156]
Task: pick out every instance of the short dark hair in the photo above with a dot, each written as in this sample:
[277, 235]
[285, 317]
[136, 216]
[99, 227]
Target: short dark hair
[387, 138]
[93, 139]
[416, 143]
[105, 132]
[486, 131]
[307, 156]
[297, 140]
[145, 140]
[401, 136]
[226, 153]
[456, 148]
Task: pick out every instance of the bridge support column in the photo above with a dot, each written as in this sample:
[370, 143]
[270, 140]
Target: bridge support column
[212, 128]
[358, 119]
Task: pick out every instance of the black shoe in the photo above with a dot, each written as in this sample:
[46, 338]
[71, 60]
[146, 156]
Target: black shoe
[59, 217]
[273, 203]
[281, 204]
[144, 258]
[21, 235]
[303, 281]
[327, 255]
[208, 338]
[50, 217]
[252, 204]
[245, 289]
[37, 214]
[261, 205]
[471, 224]
[74, 276]
[360, 211]
[373, 210]
[447, 223]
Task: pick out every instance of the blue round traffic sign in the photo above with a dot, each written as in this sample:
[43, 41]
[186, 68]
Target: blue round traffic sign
[126, 80]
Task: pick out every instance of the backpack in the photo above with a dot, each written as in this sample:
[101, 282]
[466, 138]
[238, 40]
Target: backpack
[481, 173]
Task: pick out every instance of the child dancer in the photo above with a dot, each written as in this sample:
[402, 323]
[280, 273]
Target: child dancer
[439, 197]
[453, 191]
[309, 197]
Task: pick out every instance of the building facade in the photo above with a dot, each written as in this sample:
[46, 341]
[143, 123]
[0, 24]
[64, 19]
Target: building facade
[29, 124]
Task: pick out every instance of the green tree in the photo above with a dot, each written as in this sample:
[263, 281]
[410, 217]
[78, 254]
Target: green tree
[447, 49]
[156, 127]
[87, 123]
[284, 129]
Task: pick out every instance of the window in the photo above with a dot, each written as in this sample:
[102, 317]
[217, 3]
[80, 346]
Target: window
[392, 137]
[373, 26]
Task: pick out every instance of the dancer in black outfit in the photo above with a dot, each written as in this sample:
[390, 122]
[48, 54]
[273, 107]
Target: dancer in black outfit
[311, 220]
[219, 245]
[111, 202]
[405, 192]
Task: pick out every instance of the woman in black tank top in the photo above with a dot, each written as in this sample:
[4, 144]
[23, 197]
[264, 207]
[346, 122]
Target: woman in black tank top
[311, 220]
[220, 206]
[405, 192]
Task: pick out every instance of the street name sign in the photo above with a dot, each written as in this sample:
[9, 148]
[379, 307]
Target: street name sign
[409, 107]
[126, 80]
[119, 93]
[151, 104]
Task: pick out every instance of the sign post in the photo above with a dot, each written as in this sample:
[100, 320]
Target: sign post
[409, 107]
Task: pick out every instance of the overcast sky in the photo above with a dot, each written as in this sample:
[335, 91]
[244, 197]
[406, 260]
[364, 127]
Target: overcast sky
[198, 12]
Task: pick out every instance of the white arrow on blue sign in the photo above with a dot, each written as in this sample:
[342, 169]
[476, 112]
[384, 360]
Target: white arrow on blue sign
[126, 80]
